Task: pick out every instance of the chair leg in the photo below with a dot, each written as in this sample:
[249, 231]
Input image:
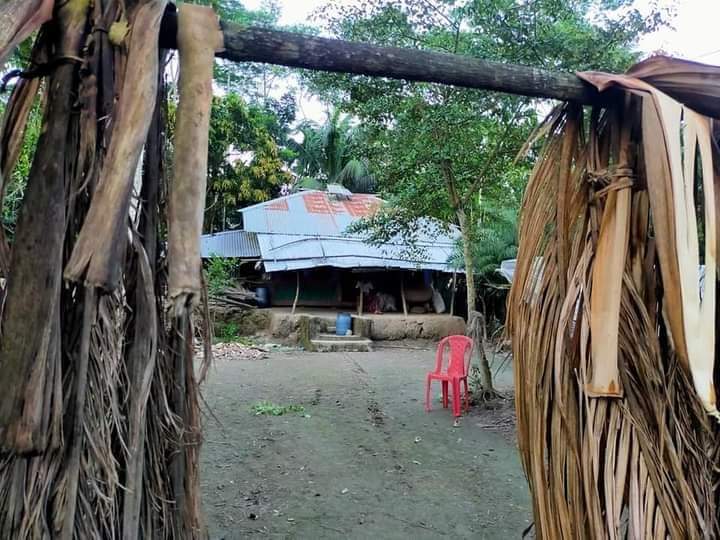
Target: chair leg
[467, 395]
[456, 398]
[445, 394]
[428, 404]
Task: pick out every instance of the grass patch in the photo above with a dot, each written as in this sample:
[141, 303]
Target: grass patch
[229, 332]
[273, 409]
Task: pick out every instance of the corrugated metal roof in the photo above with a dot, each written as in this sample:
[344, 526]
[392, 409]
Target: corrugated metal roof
[240, 244]
[308, 212]
[307, 230]
[282, 252]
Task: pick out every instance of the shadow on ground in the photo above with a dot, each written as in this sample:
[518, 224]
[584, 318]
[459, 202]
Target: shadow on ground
[362, 461]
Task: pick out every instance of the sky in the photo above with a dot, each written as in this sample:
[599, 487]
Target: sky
[694, 34]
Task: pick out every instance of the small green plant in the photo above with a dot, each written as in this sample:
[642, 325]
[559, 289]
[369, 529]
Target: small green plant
[273, 409]
[219, 273]
[228, 332]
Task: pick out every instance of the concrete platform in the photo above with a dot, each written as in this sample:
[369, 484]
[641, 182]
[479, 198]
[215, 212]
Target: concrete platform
[377, 327]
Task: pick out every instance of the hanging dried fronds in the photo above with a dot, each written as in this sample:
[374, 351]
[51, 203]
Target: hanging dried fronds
[103, 237]
[30, 347]
[613, 332]
[199, 37]
[17, 113]
[99, 414]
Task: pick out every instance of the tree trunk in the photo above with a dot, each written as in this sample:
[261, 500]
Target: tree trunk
[465, 232]
[477, 330]
[467, 259]
[476, 321]
[252, 44]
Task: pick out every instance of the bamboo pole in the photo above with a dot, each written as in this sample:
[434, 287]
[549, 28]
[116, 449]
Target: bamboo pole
[402, 294]
[454, 290]
[297, 291]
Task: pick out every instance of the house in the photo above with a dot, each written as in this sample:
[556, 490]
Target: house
[301, 246]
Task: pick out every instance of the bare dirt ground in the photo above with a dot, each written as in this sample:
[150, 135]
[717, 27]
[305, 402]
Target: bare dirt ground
[363, 460]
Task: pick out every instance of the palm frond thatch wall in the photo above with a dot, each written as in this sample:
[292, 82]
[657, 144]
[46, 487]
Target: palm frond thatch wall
[613, 331]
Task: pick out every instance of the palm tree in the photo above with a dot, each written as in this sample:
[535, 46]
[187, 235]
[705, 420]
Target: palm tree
[309, 152]
[325, 155]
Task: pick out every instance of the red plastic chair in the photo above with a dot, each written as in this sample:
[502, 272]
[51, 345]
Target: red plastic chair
[455, 371]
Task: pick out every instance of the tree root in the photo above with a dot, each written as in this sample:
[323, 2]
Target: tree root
[487, 398]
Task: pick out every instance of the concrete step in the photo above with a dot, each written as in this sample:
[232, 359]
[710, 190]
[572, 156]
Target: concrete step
[346, 344]
[335, 337]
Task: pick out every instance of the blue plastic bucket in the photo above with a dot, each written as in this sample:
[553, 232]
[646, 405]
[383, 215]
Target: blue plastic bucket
[262, 296]
[343, 323]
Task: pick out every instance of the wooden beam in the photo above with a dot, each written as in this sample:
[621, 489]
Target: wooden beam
[250, 44]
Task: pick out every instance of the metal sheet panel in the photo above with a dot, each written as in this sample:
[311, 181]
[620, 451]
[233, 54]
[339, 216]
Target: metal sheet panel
[282, 252]
[240, 244]
[507, 269]
[308, 212]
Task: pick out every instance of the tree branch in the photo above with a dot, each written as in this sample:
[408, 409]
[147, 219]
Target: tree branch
[493, 155]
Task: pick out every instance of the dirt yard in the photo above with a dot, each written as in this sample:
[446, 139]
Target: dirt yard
[363, 460]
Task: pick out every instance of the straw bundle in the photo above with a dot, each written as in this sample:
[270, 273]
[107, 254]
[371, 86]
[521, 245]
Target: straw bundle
[613, 333]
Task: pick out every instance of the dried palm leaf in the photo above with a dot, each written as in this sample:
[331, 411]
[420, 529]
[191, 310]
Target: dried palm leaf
[29, 350]
[103, 238]
[199, 37]
[606, 297]
[120, 400]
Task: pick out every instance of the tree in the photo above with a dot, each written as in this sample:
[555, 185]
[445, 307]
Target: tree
[251, 119]
[246, 165]
[327, 154]
[449, 152]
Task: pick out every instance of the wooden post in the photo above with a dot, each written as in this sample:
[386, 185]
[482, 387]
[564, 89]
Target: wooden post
[454, 290]
[402, 293]
[297, 291]
[360, 302]
[252, 44]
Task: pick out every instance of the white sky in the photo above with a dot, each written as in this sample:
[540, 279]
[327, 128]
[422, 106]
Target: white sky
[695, 34]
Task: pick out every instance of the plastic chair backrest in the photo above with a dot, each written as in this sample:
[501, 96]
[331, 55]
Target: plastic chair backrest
[459, 357]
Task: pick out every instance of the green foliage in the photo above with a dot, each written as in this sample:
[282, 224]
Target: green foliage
[250, 123]
[219, 273]
[273, 409]
[229, 332]
[328, 154]
[246, 165]
[494, 241]
[253, 81]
